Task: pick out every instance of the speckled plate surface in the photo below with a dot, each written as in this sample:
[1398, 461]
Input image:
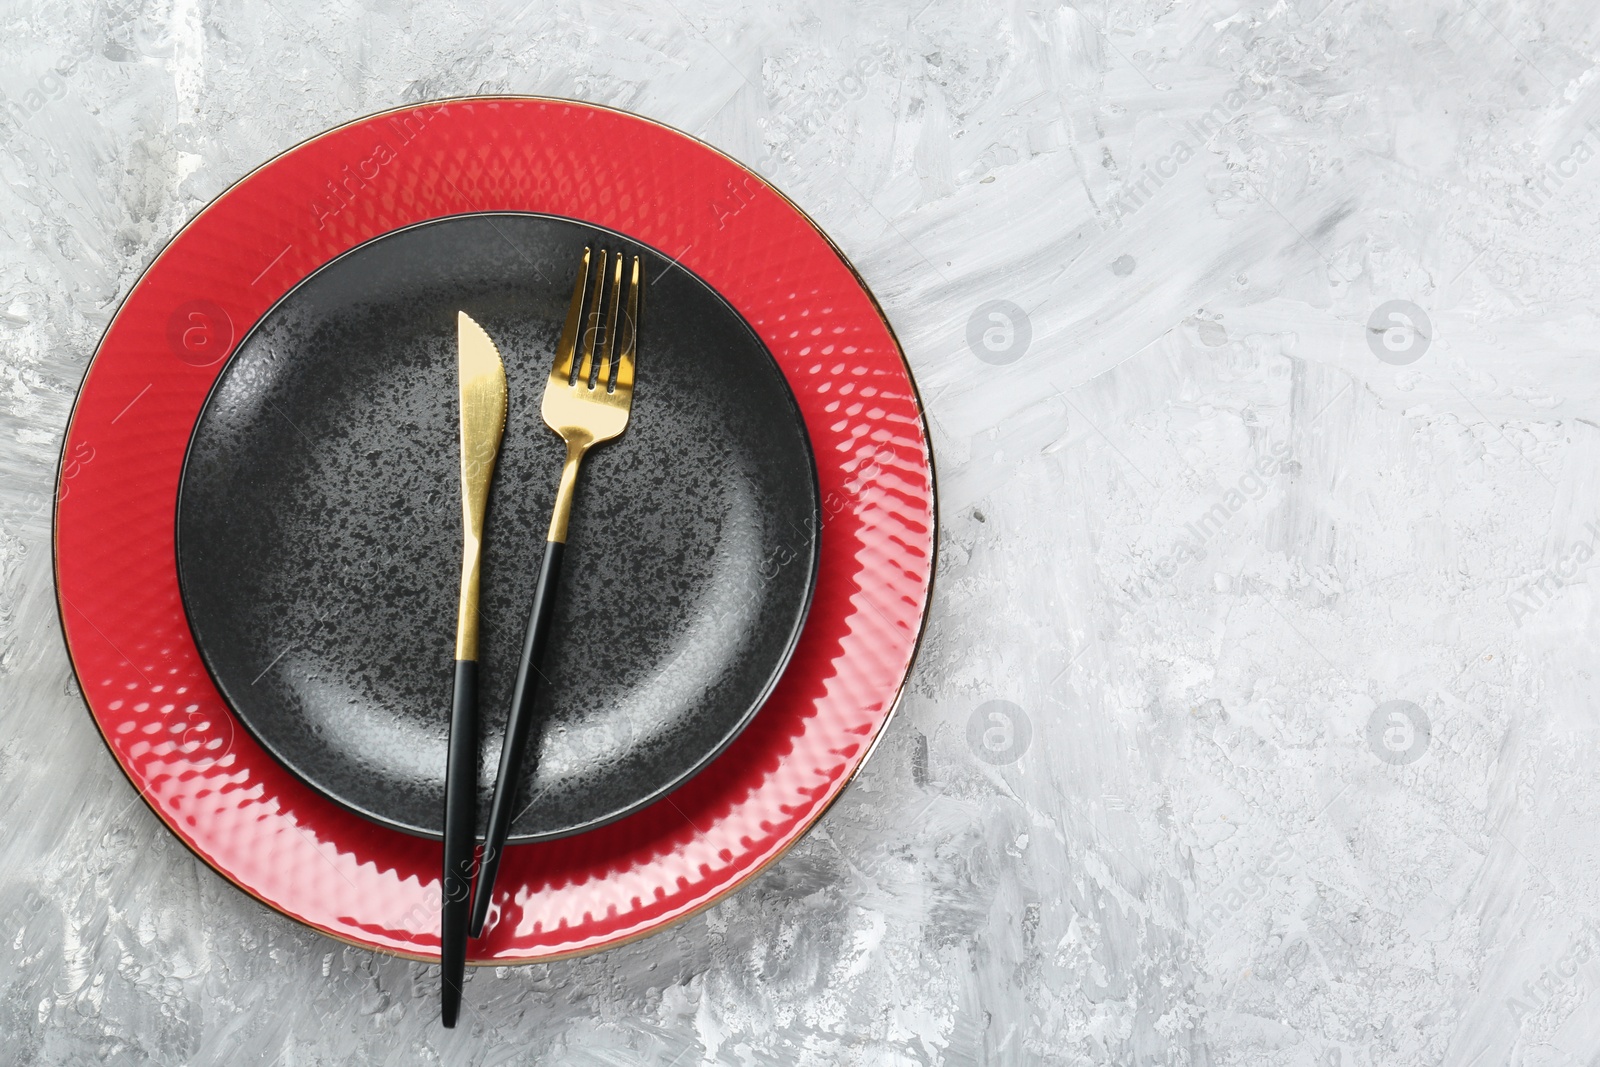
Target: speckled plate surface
[319, 531]
[175, 736]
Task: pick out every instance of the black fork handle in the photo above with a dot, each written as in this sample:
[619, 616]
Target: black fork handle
[517, 726]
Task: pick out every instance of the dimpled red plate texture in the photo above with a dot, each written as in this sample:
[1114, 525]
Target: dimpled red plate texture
[135, 657]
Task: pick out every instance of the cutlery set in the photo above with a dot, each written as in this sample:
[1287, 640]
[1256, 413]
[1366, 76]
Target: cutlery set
[587, 399]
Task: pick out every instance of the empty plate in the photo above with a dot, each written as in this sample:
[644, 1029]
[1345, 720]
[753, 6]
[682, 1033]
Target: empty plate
[319, 530]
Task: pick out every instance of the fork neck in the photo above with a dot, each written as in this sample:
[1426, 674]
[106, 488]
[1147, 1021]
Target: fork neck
[576, 447]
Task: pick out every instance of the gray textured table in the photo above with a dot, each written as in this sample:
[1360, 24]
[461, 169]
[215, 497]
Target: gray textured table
[1255, 719]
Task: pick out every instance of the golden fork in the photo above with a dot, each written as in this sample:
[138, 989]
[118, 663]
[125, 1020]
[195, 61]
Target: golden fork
[586, 404]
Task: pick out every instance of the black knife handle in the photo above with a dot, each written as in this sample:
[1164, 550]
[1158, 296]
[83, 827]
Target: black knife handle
[517, 726]
[460, 837]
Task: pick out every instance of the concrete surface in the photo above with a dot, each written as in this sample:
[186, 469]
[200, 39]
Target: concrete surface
[1256, 718]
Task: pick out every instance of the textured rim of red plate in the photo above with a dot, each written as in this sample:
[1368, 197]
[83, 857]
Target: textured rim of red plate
[116, 578]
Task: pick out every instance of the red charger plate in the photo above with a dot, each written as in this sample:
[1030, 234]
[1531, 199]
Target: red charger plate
[116, 576]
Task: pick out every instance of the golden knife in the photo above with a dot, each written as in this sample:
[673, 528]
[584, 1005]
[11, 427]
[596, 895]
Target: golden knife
[483, 423]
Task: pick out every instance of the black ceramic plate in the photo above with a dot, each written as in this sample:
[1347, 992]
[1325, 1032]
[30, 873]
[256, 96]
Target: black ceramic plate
[319, 529]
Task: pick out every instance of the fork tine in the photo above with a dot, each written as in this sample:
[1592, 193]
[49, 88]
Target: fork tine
[592, 327]
[630, 330]
[609, 345]
[569, 333]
